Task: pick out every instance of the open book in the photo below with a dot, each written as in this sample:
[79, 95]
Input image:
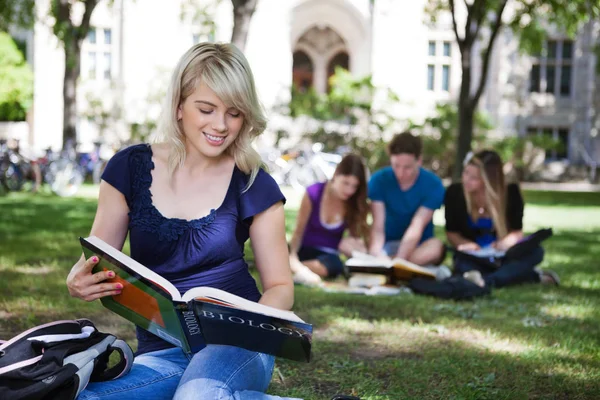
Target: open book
[493, 258]
[396, 268]
[202, 315]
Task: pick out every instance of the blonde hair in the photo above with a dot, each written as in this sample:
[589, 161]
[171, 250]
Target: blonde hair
[489, 164]
[225, 70]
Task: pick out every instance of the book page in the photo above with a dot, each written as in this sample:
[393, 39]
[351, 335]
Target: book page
[223, 298]
[360, 259]
[400, 262]
[367, 280]
[486, 252]
[135, 266]
[402, 267]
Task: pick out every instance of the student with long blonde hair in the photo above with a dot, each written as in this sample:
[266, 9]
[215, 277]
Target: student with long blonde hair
[483, 211]
[189, 203]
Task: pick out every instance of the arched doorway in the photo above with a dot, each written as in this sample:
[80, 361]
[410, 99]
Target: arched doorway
[302, 71]
[341, 60]
[324, 48]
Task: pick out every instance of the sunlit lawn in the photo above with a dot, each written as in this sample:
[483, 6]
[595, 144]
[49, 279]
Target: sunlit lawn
[522, 342]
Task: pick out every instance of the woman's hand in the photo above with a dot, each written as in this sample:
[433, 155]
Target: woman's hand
[470, 246]
[85, 285]
[350, 244]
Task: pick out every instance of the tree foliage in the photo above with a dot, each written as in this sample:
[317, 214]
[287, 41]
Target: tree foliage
[483, 21]
[345, 117]
[16, 81]
[439, 133]
[16, 13]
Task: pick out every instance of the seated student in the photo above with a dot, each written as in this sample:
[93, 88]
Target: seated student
[484, 211]
[326, 211]
[188, 204]
[403, 199]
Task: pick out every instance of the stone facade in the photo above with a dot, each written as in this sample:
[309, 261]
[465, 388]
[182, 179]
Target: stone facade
[126, 65]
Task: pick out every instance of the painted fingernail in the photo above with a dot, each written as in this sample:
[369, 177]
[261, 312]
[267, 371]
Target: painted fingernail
[119, 292]
[111, 274]
[94, 259]
[119, 286]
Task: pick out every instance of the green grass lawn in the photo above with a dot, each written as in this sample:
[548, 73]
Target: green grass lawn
[521, 343]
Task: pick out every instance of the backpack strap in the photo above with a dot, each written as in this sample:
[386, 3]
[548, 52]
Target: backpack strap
[122, 367]
[60, 327]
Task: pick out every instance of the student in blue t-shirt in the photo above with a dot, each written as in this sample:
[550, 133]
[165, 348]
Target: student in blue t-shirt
[403, 199]
[189, 203]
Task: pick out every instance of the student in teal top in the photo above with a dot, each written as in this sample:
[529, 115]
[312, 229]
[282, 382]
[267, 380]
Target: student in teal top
[404, 197]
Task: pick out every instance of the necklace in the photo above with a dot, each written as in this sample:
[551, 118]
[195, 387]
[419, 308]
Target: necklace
[481, 210]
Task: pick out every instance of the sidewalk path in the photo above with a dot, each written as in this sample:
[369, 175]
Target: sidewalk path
[562, 187]
[554, 186]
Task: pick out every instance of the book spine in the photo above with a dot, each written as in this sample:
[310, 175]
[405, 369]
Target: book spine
[190, 326]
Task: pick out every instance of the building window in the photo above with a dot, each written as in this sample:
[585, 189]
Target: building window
[447, 49]
[431, 50]
[534, 84]
[341, 60]
[446, 78]
[302, 71]
[438, 65]
[99, 53]
[563, 139]
[107, 36]
[92, 64]
[91, 37]
[560, 136]
[551, 71]
[430, 77]
[107, 66]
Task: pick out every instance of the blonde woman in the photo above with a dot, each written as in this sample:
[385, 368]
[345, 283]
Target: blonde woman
[189, 203]
[484, 211]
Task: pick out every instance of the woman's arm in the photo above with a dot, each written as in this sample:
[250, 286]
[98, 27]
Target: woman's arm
[296, 241]
[350, 244]
[455, 211]
[110, 225]
[377, 230]
[514, 217]
[509, 240]
[267, 235]
[460, 242]
[412, 236]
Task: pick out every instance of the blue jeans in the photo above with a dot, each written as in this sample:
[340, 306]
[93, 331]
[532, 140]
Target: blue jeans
[215, 372]
[331, 261]
[511, 272]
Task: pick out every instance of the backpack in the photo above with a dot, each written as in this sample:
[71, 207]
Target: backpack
[58, 359]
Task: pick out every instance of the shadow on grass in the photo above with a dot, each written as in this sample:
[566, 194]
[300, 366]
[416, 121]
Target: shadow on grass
[430, 366]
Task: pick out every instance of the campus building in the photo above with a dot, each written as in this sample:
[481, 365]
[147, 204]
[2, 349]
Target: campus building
[127, 57]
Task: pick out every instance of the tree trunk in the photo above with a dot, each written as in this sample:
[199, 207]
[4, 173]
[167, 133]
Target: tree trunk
[466, 112]
[72, 69]
[242, 15]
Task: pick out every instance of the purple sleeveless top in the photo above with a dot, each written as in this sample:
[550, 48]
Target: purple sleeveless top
[208, 251]
[316, 234]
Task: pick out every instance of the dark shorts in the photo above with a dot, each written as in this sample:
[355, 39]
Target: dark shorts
[331, 261]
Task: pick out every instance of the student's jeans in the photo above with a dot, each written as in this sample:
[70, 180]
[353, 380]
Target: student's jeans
[511, 272]
[215, 372]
